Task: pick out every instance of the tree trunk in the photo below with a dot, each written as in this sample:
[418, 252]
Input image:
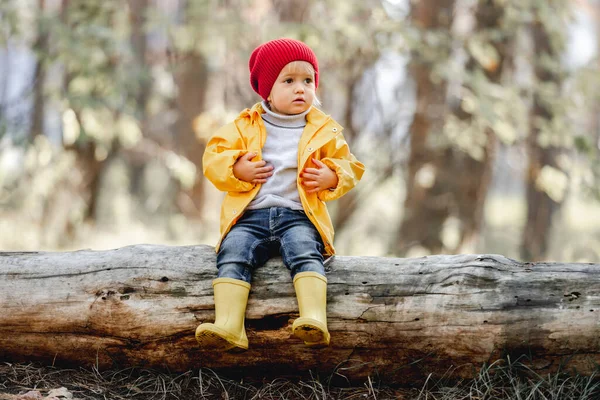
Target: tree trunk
[41, 47]
[458, 182]
[465, 179]
[424, 207]
[191, 82]
[86, 161]
[398, 319]
[139, 45]
[540, 206]
[468, 179]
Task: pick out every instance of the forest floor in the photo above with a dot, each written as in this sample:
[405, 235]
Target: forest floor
[499, 381]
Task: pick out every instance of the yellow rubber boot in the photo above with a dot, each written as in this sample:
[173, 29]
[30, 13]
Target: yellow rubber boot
[311, 291]
[227, 332]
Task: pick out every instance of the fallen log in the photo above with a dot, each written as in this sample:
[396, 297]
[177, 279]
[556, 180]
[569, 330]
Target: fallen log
[397, 319]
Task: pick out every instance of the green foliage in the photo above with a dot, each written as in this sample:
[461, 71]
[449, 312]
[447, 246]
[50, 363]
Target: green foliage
[585, 140]
[9, 21]
[89, 42]
[494, 93]
[348, 31]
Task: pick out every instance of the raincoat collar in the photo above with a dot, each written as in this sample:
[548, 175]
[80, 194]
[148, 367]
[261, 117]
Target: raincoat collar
[314, 117]
[315, 121]
[253, 114]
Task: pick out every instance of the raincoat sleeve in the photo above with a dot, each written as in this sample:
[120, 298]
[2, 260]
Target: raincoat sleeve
[222, 151]
[337, 156]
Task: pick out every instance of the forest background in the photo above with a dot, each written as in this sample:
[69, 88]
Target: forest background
[478, 120]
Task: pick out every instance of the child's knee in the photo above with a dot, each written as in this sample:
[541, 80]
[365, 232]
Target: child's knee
[235, 249]
[312, 266]
[235, 271]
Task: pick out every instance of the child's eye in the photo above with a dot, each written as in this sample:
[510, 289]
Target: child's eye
[289, 80]
[308, 80]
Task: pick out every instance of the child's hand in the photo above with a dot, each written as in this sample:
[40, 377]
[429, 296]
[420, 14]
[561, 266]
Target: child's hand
[320, 178]
[252, 171]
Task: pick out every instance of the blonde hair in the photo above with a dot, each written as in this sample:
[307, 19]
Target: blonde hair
[300, 66]
[303, 67]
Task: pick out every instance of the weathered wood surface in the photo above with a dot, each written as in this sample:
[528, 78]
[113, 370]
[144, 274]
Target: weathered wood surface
[397, 319]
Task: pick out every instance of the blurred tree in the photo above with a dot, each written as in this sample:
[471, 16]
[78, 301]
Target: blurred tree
[99, 100]
[591, 82]
[346, 52]
[469, 168]
[292, 11]
[453, 138]
[138, 10]
[455, 168]
[87, 49]
[546, 179]
[41, 48]
[11, 33]
[191, 77]
[426, 210]
[595, 115]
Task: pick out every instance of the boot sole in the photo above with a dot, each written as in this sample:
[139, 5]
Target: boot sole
[311, 333]
[213, 338]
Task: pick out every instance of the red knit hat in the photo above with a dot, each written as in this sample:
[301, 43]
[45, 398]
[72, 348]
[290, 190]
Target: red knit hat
[268, 59]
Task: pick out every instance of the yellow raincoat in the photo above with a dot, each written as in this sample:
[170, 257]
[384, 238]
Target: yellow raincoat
[321, 139]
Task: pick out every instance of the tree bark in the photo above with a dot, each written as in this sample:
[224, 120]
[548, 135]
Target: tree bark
[397, 319]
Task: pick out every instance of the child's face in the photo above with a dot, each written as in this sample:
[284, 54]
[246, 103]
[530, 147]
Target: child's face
[294, 89]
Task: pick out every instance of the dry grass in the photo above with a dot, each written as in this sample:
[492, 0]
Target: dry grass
[153, 385]
[509, 380]
[501, 380]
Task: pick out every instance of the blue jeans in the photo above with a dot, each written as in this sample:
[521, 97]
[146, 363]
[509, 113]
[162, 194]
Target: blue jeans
[262, 234]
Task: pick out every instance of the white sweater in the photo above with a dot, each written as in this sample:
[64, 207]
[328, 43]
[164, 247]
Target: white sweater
[280, 151]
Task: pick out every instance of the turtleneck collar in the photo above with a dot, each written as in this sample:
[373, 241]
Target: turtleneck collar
[284, 121]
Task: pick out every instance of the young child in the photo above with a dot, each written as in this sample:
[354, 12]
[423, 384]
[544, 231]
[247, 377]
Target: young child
[278, 162]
